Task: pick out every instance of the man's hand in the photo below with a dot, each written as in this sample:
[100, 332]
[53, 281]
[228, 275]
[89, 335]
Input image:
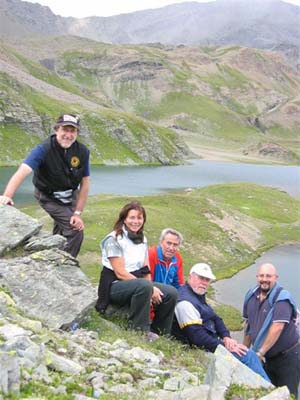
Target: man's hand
[77, 222]
[6, 200]
[234, 347]
[156, 296]
[229, 343]
[240, 349]
[261, 356]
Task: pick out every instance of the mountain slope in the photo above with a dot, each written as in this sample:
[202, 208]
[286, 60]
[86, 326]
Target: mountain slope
[31, 97]
[237, 99]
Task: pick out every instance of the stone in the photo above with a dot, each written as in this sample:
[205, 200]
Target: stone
[16, 227]
[49, 242]
[9, 373]
[225, 370]
[48, 285]
[9, 331]
[62, 364]
[281, 393]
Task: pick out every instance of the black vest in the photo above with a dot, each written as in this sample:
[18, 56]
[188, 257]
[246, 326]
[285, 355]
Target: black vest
[62, 169]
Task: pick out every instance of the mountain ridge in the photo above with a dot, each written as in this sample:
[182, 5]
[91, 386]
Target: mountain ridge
[268, 25]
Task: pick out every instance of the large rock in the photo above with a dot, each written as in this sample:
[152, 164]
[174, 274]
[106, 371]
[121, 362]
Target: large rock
[225, 370]
[15, 228]
[48, 285]
[9, 373]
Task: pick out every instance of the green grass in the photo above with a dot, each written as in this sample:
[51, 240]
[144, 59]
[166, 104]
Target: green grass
[242, 392]
[42, 73]
[223, 123]
[227, 77]
[13, 147]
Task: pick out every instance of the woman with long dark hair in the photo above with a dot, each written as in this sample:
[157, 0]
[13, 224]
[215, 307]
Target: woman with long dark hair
[125, 278]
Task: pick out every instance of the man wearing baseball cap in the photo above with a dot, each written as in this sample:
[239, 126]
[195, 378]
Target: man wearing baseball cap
[197, 324]
[61, 179]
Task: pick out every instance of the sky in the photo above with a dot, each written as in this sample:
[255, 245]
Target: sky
[105, 8]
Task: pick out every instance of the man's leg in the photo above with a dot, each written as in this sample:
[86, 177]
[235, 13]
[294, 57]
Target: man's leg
[61, 214]
[137, 294]
[164, 312]
[285, 370]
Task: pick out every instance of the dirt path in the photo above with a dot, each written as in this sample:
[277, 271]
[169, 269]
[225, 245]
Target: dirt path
[230, 156]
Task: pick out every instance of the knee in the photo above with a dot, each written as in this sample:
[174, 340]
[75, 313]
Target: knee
[170, 293]
[144, 286]
[74, 234]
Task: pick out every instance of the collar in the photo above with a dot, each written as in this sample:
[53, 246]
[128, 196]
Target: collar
[136, 238]
[160, 255]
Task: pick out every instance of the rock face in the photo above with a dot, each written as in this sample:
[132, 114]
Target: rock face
[46, 284]
[15, 228]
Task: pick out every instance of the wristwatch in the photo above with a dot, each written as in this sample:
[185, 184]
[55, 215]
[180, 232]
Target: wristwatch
[77, 212]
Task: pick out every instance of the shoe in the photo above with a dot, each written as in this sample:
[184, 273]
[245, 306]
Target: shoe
[152, 337]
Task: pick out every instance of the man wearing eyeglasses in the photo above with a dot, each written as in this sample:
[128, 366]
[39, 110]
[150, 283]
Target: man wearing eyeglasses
[269, 313]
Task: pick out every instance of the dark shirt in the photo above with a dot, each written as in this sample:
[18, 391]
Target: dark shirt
[256, 312]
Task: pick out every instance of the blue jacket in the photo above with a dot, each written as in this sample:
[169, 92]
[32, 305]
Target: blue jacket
[160, 272]
[208, 331]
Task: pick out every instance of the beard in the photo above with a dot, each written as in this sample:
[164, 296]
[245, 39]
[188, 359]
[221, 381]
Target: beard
[265, 287]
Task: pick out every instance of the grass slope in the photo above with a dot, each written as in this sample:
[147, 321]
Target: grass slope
[112, 136]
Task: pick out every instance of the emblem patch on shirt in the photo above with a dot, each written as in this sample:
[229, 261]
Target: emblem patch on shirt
[75, 161]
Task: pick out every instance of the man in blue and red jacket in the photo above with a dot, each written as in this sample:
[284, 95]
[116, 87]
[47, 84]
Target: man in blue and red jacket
[165, 261]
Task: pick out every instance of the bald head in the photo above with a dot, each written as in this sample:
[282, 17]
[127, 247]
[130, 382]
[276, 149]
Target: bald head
[266, 277]
[267, 269]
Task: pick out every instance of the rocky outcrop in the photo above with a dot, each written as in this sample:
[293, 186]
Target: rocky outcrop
[45, 284]
[15, 228]
[42, 293]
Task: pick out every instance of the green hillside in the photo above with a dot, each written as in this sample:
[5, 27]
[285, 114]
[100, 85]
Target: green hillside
[230, 99]
[227, 225]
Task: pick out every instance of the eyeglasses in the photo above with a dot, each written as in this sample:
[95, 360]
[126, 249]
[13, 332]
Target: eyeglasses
[268, 276]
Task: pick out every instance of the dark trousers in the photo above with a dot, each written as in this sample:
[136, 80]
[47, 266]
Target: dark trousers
[61, 215]
[285, 369]
[137, 294]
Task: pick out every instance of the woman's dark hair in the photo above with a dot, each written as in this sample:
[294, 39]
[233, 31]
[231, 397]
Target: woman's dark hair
[133, 205]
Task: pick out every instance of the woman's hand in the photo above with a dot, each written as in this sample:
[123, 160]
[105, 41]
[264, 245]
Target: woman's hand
[156, 296]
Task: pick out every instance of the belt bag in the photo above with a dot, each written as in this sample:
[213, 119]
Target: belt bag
[64, 197]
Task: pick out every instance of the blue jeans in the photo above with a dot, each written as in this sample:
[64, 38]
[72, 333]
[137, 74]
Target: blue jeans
[253, 362]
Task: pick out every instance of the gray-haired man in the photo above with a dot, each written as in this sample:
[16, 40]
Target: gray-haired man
[165, 261]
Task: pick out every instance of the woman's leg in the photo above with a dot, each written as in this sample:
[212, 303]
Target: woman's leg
[137, 294]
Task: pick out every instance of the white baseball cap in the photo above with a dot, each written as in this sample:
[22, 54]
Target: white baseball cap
[204, 270]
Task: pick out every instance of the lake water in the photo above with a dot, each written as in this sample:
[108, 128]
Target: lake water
[286, 259]
[143, 180]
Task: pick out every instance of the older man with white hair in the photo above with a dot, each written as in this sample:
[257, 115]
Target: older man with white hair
[197, 324]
